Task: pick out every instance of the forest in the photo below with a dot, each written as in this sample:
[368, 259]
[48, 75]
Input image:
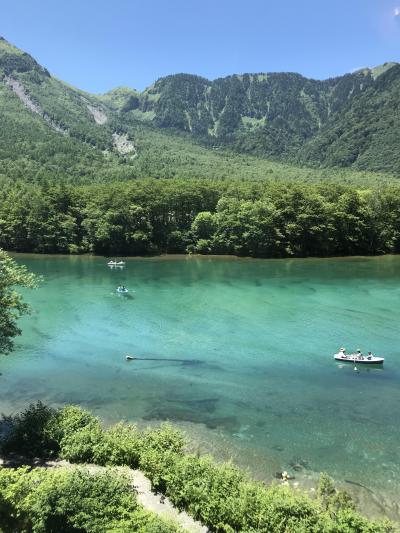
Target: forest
[253, 218]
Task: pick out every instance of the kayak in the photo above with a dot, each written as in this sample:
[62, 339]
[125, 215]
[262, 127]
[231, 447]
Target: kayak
[355, 358]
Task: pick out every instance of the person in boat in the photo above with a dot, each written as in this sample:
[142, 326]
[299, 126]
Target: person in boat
[342, 353]
[369, 356]
[359, 354]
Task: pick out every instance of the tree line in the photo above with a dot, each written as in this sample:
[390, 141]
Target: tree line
[246, 218]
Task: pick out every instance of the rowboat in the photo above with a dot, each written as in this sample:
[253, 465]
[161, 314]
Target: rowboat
[359, 359]
[122, 290]
[116, 263]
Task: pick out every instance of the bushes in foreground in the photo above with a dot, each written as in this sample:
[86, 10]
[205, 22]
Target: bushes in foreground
[220, 495]
[72, 501]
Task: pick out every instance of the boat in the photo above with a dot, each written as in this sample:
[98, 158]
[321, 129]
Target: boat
[122, 290]
[359, 359]
[116, 263]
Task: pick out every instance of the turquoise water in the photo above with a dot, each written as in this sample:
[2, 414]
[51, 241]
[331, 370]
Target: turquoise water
[239, 350]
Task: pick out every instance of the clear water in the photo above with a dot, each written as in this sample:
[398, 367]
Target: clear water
[239, 350]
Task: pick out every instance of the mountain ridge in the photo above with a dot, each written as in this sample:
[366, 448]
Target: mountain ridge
[338, 122]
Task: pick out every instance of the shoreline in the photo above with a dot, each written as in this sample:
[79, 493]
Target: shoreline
[201, 257]
[370, 502]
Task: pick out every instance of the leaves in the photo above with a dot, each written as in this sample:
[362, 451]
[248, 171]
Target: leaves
[220, 495]
[12, 305]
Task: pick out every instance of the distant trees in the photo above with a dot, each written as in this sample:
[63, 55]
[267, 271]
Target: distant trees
[247, 218]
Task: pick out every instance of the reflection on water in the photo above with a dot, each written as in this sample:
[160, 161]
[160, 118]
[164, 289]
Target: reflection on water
[237, 352]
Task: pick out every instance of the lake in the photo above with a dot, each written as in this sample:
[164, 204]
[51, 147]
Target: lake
[238, 352]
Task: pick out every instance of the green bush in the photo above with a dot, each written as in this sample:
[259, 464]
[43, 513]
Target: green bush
[164, 438]
[219, 495]
[30, 432]
[223, 498]
[72, 501]
[120, 445]
[79, 433]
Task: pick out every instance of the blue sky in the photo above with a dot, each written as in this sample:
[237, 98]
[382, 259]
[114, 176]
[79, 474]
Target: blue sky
[98, 45]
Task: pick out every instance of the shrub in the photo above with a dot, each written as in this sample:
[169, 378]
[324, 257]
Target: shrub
[14, 486]
[79, 447]
[164, 438]
[77, 501]
[78, 434]
[120, 445]
[72, 418]
[158, 467]
[220, 495]
[29, 433]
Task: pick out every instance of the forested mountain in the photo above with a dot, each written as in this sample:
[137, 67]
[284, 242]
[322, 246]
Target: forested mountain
[343, 121]
[68, 161]
[178, 126]
[365, 134]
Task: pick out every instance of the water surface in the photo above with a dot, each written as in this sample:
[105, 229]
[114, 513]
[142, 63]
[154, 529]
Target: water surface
[239, 351]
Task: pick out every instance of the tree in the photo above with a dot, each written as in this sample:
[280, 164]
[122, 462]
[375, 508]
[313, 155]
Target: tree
[12, 305]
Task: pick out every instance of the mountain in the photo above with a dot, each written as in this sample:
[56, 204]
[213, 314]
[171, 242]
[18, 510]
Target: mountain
[52, 131]
[342, 121]
[49, 127]
[187, 126]
[365, 133]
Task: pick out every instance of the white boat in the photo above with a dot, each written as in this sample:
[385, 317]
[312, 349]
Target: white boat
[359, 359]
[122, 290]
[116, 263]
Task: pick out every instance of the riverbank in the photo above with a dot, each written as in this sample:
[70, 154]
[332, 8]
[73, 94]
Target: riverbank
[139, 483]
[193, 256]
[219, 495]
[372, 501]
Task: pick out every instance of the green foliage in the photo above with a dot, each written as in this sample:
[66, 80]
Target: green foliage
[188, 127]
[30, 433]
[78, 433]
[204, 225]
[120, 445]
[363, 134]
[165, 438]
[224, 499]
[220, 495]
[72, 501]
[12, 306]
[250, 218]
[341, 122]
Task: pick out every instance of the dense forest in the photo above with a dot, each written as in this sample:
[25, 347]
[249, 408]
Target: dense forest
[122, 174]
[248, 218]
[339, 122]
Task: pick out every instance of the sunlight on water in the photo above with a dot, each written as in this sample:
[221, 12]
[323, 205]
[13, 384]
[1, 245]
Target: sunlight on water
[239, 350]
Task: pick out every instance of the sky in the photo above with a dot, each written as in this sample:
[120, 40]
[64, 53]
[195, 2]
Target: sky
[97, 45]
